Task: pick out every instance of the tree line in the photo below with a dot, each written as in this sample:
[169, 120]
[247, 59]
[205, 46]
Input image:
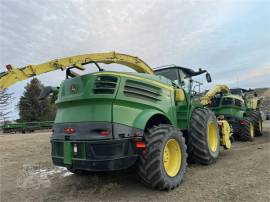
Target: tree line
[30, 107]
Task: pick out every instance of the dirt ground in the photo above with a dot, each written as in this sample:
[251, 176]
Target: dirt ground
[27, 174]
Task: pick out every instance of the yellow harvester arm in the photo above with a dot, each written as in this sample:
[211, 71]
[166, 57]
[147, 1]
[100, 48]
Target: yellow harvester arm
[14, 75]
[206, 99]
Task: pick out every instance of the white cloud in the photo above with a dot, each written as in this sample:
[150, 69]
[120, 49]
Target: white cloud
[221, 36]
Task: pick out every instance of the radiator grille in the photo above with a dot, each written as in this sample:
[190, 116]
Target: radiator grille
[142, 91]
[105, 85]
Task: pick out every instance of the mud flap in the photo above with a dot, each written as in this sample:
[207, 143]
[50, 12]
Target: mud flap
[67, 153]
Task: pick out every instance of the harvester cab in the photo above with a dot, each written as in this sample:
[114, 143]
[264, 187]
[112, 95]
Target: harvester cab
[182, 77]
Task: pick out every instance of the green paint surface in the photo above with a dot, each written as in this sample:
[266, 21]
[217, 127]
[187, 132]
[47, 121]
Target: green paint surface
[79, 102]
[67, 153]
[234, 110]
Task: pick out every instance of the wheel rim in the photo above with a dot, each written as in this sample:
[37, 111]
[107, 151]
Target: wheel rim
[251, 130]
[172, 157]
[212, 137]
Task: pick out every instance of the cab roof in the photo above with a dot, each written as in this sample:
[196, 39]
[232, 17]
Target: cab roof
[189, 72]
[233, 96]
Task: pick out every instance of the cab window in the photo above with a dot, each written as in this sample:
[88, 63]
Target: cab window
[215, 102]
[185, 81]
[169, 74]
[238, 103]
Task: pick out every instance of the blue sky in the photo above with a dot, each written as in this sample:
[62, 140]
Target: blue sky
[230, 38]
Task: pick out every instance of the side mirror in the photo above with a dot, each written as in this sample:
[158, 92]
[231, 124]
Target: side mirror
[179, 95]
[45, 92]
[208, 77]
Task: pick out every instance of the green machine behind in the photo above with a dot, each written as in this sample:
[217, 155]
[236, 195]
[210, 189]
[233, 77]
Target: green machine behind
[240, 110]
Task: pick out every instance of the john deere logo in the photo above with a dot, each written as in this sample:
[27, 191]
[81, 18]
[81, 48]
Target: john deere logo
[73, 88]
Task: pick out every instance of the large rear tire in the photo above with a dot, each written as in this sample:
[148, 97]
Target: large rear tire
[204, 139]
[247, 130]
[257, 122]
[163, 164]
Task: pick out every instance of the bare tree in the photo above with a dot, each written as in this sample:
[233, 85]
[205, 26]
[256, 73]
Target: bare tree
[5, 101]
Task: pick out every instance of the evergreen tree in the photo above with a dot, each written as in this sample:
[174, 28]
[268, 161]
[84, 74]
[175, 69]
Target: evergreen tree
[33, 109]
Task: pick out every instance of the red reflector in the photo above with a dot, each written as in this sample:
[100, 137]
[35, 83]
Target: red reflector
[242, 122]
[104, 133]
[140, 145]
[69, 130]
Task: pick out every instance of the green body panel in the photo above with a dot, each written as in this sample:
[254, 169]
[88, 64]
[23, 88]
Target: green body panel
[143, 116]
[229, 110]
[68, 152]
[82, 105]
[232, 109]
[121, 104]
[78, 102]
[184, 111]
[128, 110]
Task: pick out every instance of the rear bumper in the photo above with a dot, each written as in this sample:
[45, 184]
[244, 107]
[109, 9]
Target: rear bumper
[104, 165]
[95, 156]
[92, 154]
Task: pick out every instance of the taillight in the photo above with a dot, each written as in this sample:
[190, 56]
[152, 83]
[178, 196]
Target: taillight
[104, 133]
[140, 145]
[69, 130]
[242, 122]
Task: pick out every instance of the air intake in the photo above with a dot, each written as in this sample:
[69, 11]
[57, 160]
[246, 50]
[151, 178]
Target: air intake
[105, 85]
[143, 91]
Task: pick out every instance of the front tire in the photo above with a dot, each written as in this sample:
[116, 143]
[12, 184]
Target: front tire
[163, 165]
[204, 137]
